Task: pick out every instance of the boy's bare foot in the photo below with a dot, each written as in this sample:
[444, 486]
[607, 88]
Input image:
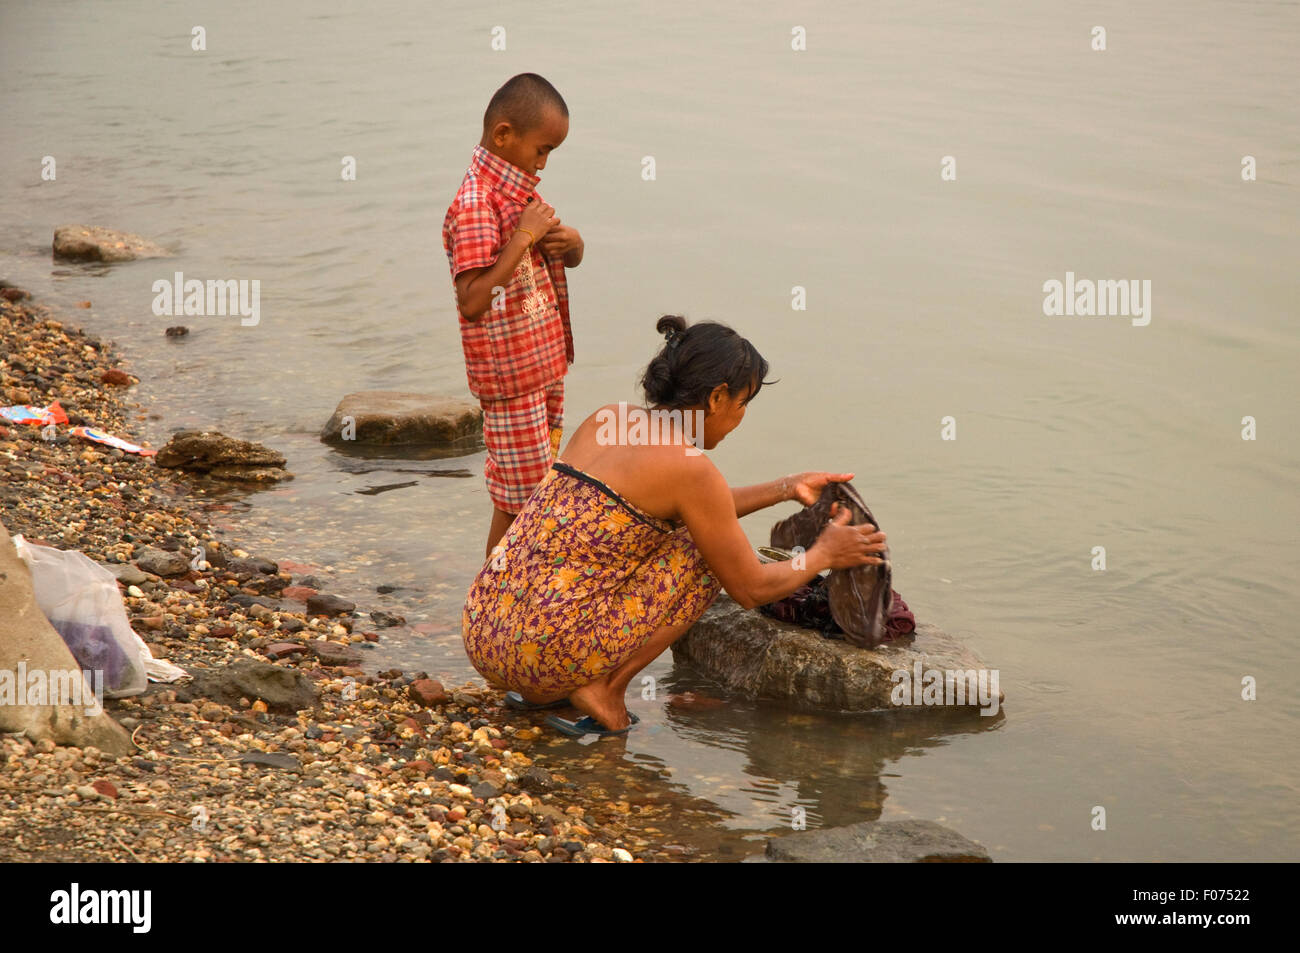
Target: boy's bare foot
[595, 700]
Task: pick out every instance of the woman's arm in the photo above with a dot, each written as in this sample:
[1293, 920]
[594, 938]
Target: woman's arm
[708, 507]
[804, 487]
[748, 499]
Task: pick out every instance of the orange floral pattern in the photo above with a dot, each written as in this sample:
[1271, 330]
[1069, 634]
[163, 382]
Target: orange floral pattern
[584, 579]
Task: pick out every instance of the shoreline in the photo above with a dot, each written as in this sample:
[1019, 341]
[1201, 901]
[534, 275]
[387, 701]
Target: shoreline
[381, 770]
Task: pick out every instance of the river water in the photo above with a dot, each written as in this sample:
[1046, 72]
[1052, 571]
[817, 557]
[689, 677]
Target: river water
[774, 168]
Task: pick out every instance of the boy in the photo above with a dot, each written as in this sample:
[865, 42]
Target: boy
[508, 252]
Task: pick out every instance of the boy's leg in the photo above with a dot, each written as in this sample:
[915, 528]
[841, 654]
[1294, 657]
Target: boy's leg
[555, 415]
[501, 521]
[516, 431]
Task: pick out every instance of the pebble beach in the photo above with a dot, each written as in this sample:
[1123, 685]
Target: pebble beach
[387, 766]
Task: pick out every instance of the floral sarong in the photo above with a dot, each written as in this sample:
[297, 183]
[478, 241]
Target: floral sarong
[582, 582]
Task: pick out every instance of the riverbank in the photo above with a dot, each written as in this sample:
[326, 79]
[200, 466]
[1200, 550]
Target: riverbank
[389, 766]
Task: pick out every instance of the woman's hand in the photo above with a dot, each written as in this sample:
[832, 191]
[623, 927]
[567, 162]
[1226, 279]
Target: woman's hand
[845, 547]
[807, 487]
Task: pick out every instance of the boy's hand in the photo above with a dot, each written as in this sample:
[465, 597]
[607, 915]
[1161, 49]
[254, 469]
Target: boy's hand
[560, 240]
[538, 218]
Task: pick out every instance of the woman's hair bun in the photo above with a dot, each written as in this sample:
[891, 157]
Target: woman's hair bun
[692, 363]
[670, 325]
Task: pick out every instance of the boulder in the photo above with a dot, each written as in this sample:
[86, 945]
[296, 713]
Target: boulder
[389, 418]
[216, 455]
[283, 689]
[877, 842]
[27, 637]
[93, 243]
[760, 657]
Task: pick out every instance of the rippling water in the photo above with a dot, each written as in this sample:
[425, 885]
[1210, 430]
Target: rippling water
[924, 300]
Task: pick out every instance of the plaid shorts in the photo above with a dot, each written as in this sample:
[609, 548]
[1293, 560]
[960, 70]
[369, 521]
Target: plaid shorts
[522, 436]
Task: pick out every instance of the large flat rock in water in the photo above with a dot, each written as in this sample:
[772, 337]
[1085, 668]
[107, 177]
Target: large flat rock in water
[760, 657]
[94, 243]
[877, 842]
[391, 418]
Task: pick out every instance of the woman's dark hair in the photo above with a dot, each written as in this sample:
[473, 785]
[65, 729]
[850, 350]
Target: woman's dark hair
[696, 359]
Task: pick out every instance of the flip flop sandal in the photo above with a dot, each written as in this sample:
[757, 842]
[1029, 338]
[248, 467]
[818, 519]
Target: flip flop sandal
[588, 726]
[518, 702]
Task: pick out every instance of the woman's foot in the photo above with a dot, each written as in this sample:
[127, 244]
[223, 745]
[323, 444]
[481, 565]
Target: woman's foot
[596, 701]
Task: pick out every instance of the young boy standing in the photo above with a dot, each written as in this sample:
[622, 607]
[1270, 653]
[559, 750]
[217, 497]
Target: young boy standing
[508, 251]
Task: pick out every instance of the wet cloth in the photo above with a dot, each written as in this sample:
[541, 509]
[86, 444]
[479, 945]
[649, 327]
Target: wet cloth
[522, 436]
[809, 606]
[583, 580]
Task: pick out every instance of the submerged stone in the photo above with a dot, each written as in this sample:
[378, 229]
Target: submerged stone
[95, 243]
[877, 842]
[388, 418]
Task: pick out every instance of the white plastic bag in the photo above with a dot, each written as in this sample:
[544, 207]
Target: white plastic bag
[82, 602]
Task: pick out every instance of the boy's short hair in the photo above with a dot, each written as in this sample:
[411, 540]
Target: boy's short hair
[522, 102]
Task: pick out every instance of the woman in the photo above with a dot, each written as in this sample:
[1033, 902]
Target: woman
[626, 542]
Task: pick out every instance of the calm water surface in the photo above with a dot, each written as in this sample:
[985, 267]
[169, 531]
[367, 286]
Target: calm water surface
[774, 169]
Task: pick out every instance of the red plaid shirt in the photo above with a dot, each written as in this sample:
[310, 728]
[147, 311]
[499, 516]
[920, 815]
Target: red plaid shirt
[508, 352]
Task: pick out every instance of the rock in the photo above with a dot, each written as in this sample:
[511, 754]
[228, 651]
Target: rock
[876, 842]
[271, 759]
[162, 563]
[333, 654]
[251, 565]
[380, 617]
[486, 790]
[283, 689]
[117, 377]
[622, 856]
[28, 636]
[427, 692]
[217, 455]
[279, 650]
[105, 789]
[537, 780]
[386, 417]
[763, 658]
[130, 575]
[322, 603]
[94, 243]
[297, 593]
[210, 711]
[177, 331]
